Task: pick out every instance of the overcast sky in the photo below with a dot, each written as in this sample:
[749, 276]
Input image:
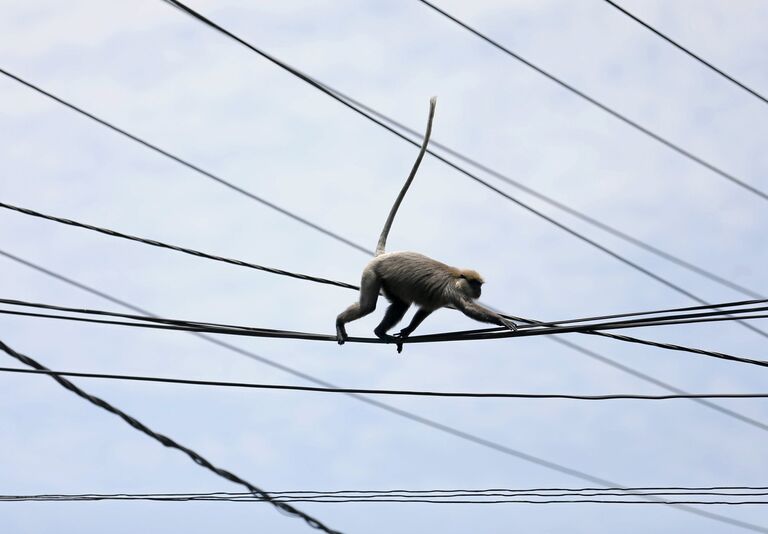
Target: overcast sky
[161, 75]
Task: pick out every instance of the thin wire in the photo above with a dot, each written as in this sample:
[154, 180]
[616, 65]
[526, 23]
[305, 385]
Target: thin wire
[189, 165]
[206, 497]
[557, 204]
[192, 252]
[390, 392]
[737, 491]
[470, 335]
[322, 88]
[586, 218]
[669, 144]
[425, 421]
[688, 52]
[165, 440]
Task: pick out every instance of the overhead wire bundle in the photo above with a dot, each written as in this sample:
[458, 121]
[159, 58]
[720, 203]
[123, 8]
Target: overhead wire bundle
[488, 333]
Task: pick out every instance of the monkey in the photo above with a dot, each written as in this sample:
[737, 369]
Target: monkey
[407, 278]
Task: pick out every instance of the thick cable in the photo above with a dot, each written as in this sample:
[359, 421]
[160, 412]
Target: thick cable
[431, 423]
[471, 335]
[160, 244]
[388, 392]
[623, 118]
[640, 318]
[165, 440]
[688, 52]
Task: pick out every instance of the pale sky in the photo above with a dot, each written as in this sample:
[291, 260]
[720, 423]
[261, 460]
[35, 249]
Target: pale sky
[163, 76]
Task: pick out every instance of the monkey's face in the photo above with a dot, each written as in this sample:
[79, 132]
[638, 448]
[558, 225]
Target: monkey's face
[471, 287]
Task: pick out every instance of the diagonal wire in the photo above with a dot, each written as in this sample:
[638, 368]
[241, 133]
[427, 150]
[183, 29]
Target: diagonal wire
[431, 423]
[556, 203]
[322, 88]
[688, 52]
[623, 118]
[188, 165]
[586, 218]
[192, 252]
[165, 440]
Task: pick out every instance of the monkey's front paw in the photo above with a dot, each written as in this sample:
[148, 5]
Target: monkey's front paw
[509, 324]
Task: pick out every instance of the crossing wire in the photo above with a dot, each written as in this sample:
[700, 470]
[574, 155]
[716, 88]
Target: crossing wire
[672, 258]
[467, 335]
[623, 118]
[165, 440]
[584, 217]
[436, 425]
[687, 51]
[322, 88]
[388, 392]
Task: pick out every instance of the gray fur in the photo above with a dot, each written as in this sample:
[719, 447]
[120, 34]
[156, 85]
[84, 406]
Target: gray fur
[408, 278]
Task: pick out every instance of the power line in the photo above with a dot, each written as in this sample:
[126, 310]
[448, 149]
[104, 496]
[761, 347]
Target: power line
[389, 392]
[408, 497]
[586, 218]
[309, 378]
[192, 252]
[688, 52]
[165, 440]
[188, 165]
[673, 315]
[626, 120]
[467, 335]
[431, 423]
[322, 88]
[560, 205]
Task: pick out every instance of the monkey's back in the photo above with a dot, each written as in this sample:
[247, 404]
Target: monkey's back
[415, 278]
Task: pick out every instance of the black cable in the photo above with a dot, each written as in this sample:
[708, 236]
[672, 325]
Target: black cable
[322, 88]
[559, 205]
[217, 497]
[718, 311]
[615, 232]
[192, 252]
[189, 165]
[586, 218]
[165, 440]
[688, 52]
[390, 392]
[470, 335]
[669, 144]
[436, 425]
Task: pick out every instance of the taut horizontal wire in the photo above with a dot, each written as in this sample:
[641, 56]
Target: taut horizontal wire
[342, 499]
[390, 392]
[471, 335]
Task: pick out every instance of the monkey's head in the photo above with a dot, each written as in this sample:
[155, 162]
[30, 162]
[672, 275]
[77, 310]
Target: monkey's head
[470, 283]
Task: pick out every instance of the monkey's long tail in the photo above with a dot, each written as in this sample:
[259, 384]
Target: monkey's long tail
[381, 246]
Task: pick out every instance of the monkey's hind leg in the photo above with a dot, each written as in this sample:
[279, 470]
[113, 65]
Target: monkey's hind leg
[394, 315]
[369, 293]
